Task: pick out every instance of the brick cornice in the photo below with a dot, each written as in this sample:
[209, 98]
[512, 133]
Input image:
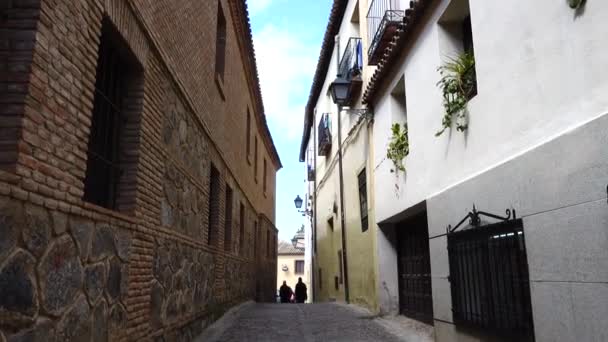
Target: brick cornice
[240, 16]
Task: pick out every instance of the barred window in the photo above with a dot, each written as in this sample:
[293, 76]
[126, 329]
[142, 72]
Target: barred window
[114, 134]
[248, 137]
[228, 220]
[299, 266]
[214, 206]
[220, 43]
[489, 278]
[242, 229]
[362, 177]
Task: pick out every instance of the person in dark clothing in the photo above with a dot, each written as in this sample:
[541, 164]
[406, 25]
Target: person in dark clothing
[301, 295]
[285, 292]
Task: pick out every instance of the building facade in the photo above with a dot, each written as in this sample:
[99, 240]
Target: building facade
[126, 210]
[487, 202]
[336, 272]
[496, 229]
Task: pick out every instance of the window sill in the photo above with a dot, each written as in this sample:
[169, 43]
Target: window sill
[220, 86]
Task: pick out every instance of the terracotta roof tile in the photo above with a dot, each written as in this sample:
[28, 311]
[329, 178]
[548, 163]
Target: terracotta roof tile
[392, 51]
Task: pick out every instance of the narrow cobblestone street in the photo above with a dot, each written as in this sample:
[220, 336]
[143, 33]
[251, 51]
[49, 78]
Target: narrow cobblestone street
[298, 322]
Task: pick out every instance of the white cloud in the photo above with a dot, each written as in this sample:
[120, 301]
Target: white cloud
[286, 65]
[257, 6]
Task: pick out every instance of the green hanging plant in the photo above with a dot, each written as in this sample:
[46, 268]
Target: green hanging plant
[458, 84]
[576, 4]
[399, 146]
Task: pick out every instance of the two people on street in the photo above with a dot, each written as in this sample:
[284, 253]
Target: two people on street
[286, 293]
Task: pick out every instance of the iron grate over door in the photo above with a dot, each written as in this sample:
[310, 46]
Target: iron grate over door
[415, 291]
[489, 279]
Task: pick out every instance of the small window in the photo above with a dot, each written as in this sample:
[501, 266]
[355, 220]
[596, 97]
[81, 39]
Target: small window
[110, 174]
[228, 220]
[220, 43]
[489, 278]
[320, 278]
[255, 239]
[214, 205]
[242, 229]
[248, 137]
[268, 244]
[264, 181]
[456, 39]
[340, 260]
[330, 223]
[299, 266]
[255, 159]
[362, 177]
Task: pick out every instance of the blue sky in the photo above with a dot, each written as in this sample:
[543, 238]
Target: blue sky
[287, 36]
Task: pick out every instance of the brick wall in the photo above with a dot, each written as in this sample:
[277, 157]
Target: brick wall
[70, 270]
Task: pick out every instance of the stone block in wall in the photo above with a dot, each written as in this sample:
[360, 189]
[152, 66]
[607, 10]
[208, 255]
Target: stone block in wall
[18, 293]
[10, 225]
[76, 324]
[61, 275]
[42, 331]
[183, 281]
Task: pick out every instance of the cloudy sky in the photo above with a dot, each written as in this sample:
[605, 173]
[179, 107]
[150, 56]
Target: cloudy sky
[287, 35]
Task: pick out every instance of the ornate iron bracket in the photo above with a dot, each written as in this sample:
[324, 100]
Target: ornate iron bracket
[363, 112]
[475, 221]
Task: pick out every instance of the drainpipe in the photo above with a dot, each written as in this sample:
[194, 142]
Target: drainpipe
[313, 217]
[341, 176]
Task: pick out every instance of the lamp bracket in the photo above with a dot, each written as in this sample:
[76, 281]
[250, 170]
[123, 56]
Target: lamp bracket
[363, 112]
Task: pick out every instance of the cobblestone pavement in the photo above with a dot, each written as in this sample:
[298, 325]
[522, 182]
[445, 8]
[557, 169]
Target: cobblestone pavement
[301, 322]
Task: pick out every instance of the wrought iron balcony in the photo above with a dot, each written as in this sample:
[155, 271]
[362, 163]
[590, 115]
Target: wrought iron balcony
[352, 59]
[351, 65]
[383, 19]
[311, 173]
[324, 135]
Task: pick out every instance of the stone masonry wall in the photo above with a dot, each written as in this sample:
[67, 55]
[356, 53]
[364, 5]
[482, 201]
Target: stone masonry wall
[74, 271]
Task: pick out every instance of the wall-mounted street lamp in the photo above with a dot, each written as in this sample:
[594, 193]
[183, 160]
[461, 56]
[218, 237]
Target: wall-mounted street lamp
[298, 202]
[340, 91]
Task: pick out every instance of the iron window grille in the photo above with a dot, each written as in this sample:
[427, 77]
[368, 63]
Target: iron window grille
[242, 229]
[352, 59]
[228, 220]
[214, 205]
[489, 276]
[220, 43]
[324, 135]
[299, 267]
[113, 126]
[383, 19]
[362, 178]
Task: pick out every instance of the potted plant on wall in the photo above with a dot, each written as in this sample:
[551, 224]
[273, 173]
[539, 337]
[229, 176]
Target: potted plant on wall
[398, 147]
[458, 85]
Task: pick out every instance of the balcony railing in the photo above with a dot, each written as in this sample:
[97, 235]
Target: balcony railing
[352, 59]
[351, 65]
[383, 19]
[324, 135]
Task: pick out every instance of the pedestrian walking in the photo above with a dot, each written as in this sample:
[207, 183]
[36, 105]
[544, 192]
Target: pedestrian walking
[285, 292]
[301, 295]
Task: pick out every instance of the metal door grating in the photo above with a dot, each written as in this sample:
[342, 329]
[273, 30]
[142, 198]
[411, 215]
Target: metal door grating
[415, 291]
[489, 278]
